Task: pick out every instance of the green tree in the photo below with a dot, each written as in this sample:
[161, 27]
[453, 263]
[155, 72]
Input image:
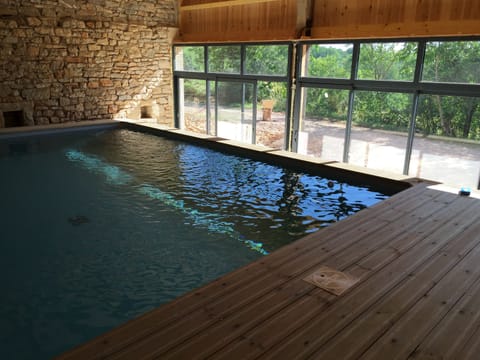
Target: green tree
[454, 62]
[266, 60]
[387, 61]
[192, 58]
[224, 59]
[329, 62]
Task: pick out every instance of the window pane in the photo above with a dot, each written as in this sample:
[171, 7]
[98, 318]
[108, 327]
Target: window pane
[380, 130]
[192, 105]
[235, 110]
[322, 127]
[189, 58]
[330, 61]
[447, 141]
[387, 61]
[267, 60]
[224, 59]
[271, 111]
[452, 61]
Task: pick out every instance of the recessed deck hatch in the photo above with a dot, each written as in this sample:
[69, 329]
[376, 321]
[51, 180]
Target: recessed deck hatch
[333, 281]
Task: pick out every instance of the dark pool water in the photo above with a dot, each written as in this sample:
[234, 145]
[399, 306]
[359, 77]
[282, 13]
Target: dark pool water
[98, 227]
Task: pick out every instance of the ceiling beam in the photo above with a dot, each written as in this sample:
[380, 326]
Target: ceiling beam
[225, 3]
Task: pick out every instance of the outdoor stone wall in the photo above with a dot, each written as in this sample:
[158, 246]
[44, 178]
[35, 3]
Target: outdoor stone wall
[73, 60]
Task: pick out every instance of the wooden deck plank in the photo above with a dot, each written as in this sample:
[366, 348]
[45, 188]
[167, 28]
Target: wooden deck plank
[450, 335]
[418, 242]
[405, 317]
[471, 348]
[355, 340]
[346, 309]
[401, 340]
[254, 339]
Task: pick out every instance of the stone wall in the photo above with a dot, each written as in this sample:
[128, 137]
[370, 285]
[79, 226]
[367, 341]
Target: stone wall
[73, 60]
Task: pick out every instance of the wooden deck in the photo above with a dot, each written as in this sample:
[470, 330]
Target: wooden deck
[417, 256]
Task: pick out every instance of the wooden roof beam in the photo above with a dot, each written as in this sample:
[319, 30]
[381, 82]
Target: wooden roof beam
[225, 3]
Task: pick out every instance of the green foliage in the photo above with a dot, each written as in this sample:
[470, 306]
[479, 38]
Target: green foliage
[194, 90]
[224, 59]
[326, 103]
[192, 57]
[451, 61]
[329, 62]
[387, 61]
[381, 110]
[267, 60]
[449, 116]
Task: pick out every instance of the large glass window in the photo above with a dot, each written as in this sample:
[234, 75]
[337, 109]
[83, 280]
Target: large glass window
[235, 110]
[193, 101]
[244, 94]
[446, 146]
[271, 113]
[329, 60]
[387, 61]
[452, 61]
[323, 123]
[189, 58]
[224, 59]
[248, 105]
[266, 60]
[380, 130]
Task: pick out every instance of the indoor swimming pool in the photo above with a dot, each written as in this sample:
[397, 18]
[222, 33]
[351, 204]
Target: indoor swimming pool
[101, 225]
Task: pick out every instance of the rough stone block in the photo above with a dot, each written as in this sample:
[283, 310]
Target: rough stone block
[29, 11]
[33, 51]
[10, 40]
[34, 21]
[63, 32]
[74, 59]
[8, 11]
[106, 82]
[36, 94]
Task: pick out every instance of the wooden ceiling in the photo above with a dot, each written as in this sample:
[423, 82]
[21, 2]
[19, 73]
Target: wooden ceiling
[276, 20]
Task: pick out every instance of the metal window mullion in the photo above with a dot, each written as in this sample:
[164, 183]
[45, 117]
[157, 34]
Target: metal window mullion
[289, 99]
[411, 134]
[216, 107]
[254, 114]
[297, 56]
[416, 80]
[176, 102]
[351, 100]
[242, 105]
[205, 59]
[348, 126]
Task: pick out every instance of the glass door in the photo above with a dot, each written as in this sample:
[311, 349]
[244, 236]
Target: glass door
[236, 109]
